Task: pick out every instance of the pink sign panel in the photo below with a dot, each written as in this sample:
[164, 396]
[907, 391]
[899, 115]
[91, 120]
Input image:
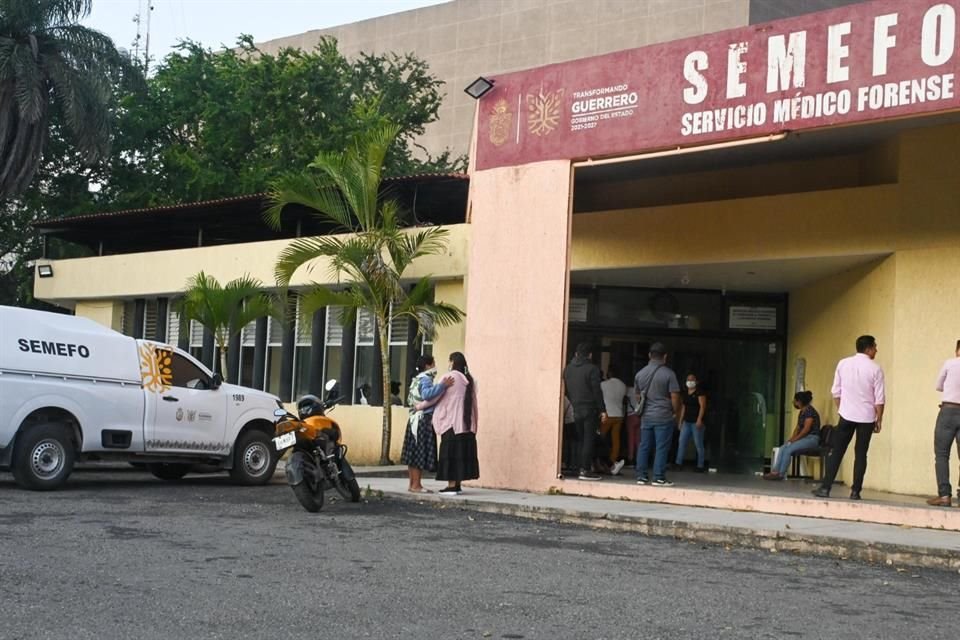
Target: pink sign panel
[869, 61]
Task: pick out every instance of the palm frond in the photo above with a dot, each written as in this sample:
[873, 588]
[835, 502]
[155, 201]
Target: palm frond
[303, 251]
[413, 245]
[308, 191]
[319, 297]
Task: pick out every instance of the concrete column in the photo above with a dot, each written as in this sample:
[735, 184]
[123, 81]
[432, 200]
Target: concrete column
[318, 333]
[287, 347]
[376, 394]
[139, 306]
[233, 359]
[208, 352]
[530, 336]
[183, 336]
[414, 345]
[161, 332]
[348, 356]
[260, 354]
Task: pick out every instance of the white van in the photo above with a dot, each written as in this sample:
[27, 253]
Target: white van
[72, 389]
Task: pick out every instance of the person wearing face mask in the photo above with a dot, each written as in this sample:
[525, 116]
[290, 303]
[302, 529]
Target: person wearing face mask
[805, 436]
[690, 423]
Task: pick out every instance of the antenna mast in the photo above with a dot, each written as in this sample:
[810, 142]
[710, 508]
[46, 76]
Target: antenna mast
[136, 20]
[146, 49]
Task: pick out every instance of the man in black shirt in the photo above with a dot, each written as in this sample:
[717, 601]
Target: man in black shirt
[581, 379]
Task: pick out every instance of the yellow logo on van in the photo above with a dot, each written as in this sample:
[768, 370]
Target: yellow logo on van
[155, 371]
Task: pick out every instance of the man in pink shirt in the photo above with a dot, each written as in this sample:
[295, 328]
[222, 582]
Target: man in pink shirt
[859, 395]
[947, 430]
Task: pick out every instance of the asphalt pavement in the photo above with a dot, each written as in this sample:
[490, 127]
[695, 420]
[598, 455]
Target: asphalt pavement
[121, 555]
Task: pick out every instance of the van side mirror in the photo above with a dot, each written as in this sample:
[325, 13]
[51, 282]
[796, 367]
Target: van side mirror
[216, 381]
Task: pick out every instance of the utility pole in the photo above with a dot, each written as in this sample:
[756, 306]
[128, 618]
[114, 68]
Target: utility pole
[146, 49]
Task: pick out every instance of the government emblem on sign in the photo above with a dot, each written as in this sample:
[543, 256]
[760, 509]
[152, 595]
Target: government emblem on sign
[500, 121]
[543, 111]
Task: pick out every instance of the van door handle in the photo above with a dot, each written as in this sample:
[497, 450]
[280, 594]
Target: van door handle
[171, 399]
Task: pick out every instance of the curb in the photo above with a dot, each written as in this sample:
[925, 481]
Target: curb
[775, 541]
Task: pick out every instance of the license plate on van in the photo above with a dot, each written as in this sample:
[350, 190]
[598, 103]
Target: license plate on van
[285, 441]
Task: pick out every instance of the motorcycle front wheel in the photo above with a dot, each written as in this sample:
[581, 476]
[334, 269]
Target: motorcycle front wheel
[310, 499]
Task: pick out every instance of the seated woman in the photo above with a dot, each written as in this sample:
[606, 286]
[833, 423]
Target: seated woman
[805, 436]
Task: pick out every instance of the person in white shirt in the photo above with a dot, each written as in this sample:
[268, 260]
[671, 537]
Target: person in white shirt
[614, 393]
[947, 430]
[858, 391]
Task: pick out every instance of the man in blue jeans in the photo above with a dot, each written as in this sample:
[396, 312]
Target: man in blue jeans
[657, 384]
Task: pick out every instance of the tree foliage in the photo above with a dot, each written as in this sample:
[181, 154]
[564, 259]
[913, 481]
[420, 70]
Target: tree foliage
[54, 69]
[372, 257]
[216, 124]
[225, 123]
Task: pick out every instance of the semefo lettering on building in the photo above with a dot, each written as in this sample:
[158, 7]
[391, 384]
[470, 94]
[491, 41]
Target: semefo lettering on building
[869, 61]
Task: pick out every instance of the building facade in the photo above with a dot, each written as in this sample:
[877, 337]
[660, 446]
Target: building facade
[463, 39]
[755, 198]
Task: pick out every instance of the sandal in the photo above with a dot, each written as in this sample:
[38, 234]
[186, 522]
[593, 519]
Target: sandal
[420, 490]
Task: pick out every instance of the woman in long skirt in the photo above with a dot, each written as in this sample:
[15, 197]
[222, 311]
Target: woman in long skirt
[455, 421]
[420, 442]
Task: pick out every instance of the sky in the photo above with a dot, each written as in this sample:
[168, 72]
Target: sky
[219, 22]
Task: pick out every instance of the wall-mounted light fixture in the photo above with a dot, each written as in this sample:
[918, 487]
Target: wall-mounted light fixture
[478, 88]
[45, 270]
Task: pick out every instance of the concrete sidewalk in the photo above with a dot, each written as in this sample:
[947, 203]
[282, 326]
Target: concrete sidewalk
[877, 543]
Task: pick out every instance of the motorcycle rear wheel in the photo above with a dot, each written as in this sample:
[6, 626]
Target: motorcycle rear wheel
[349, 489]
[309, 499]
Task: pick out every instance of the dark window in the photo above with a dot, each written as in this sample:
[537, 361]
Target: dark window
[186, 374]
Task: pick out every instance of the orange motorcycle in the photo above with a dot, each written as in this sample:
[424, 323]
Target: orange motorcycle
[318, 461]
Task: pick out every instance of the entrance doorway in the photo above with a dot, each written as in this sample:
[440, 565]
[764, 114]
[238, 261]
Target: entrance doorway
[733, 343]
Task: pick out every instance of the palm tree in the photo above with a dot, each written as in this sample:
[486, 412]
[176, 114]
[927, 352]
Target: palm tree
[370, 261]
[225, 310]
[52, 69]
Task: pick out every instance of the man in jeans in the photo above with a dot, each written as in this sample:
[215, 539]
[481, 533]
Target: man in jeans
[581, 379]
[658, 386]
[947, 430]
[858, 391]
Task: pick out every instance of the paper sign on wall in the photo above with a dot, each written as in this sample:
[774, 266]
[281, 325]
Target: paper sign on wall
[760, 318]
[578, 310]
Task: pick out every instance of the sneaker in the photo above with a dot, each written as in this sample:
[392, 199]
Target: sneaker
[449, 491]
[588, 475]
[643, 480]
[663, 482]
[617, 467]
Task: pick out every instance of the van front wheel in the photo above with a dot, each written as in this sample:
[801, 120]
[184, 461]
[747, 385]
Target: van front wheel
[43, 457]
[254, 459]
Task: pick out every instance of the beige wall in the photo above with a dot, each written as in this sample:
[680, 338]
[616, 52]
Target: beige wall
[109, 313]
[463, 39]
[162, 273]
[825, 320]
[450, 339]
[909, 302]
[516, 319]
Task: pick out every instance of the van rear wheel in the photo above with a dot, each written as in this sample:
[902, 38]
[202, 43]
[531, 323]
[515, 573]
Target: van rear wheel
[43, 457]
